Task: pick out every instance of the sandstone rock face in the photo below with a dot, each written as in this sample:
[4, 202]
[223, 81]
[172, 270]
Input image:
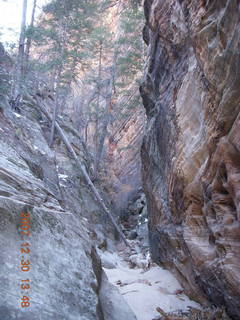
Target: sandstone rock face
[191, 151]
[33, 179]
[113, 304]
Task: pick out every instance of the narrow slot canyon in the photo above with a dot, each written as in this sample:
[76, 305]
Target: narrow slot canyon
[120, 160]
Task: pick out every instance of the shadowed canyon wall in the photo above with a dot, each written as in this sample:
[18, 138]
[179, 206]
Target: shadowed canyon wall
[191, 150]
[124, 162]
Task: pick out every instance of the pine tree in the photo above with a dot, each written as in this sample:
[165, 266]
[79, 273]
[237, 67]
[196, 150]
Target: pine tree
[129, 46]
[101, 46]
[129, 59]
[65, 29]
[29, 37]
[63, 34]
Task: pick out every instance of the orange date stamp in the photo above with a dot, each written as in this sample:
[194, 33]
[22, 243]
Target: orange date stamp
[25, 264]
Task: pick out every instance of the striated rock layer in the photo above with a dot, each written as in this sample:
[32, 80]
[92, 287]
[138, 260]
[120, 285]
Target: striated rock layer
[65, 222]
[191, 151]
[33, 179]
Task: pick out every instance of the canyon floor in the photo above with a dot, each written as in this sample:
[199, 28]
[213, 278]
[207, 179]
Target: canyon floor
[144, 285]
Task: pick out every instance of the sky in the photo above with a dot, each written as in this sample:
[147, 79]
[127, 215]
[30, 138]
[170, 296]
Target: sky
[10, 18]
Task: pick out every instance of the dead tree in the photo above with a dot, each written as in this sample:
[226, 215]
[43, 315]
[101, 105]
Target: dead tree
[56, 106]
[107, 118]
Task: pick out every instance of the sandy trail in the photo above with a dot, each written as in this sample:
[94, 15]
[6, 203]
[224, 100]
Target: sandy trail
[144, 291]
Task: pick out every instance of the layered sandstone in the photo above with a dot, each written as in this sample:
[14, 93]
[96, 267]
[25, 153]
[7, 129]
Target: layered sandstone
[65, 223]
[191, 151]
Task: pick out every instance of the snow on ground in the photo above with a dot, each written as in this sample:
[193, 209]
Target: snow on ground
[144, 291]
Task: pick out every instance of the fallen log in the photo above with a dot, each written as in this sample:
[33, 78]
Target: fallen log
[82, 169]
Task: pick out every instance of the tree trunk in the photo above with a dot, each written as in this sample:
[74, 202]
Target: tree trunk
[98, 157]
[56, 106]
[96, 133]
[69, 83]
[20, 59]
[103, 135]
[29, 39]
[99, 153]
[55, 112]
[61, 46]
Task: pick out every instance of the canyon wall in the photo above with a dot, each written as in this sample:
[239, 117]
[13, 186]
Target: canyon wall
[36, 180]
[191, 150]
[53, 265]
[124, 162]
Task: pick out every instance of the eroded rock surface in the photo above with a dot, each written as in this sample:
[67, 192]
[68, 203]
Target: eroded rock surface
[35, 179]
[191, 151]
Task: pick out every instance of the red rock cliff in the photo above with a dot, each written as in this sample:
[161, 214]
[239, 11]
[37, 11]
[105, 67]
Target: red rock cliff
[191, 151]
